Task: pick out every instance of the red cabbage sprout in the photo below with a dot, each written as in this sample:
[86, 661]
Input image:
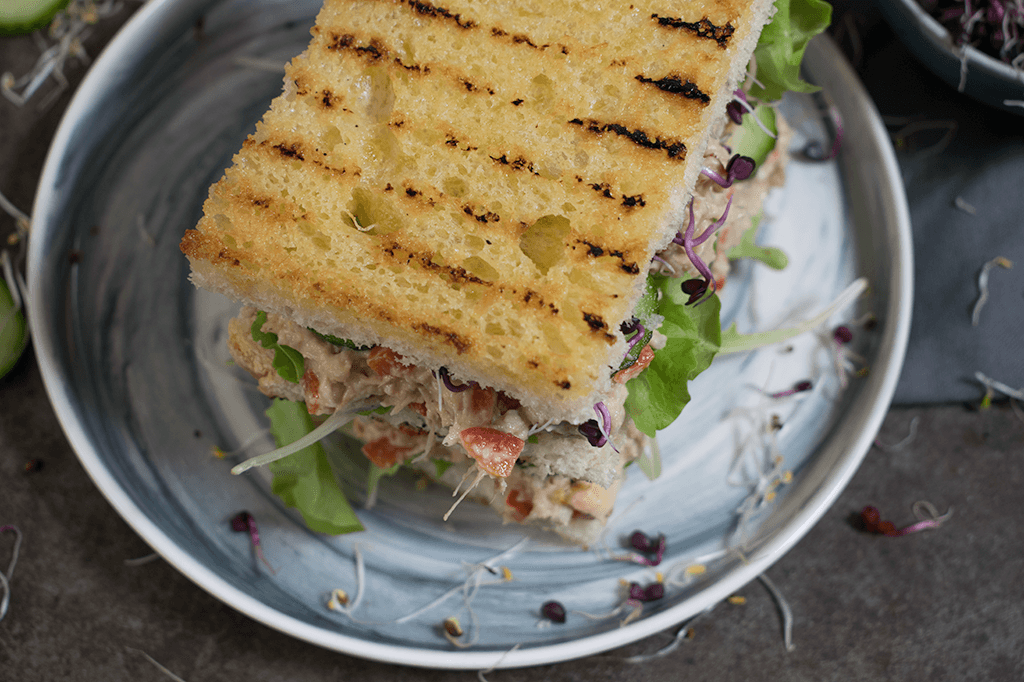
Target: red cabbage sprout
[244, 522]
[739, 167]
[689, 242]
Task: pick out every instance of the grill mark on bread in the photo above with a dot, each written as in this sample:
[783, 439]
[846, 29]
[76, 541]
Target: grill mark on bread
[596, 251]
[328, 98]
[453, 141]
[675, 149]
[297, 152]
[702, 29]
[432, 11]
[518, 163]
[290, 150]
[460, 343]
[674, 85]
[597, 325]
[400, 253]
[523, 39]
[375, 50]
[484, 216]
[605, 190]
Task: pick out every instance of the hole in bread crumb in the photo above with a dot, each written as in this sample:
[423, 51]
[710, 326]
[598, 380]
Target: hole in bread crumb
[371, 213]
[322, 241]
[554, 339]
[544, 242]
[455, 187]
[222, 222]
[481, 268]
[494, 329]
[331, 138]
[494, 352]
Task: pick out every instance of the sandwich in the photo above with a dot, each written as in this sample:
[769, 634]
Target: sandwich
[487, 236]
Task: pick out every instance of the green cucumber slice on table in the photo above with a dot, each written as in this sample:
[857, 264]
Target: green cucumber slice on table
[25, 16]
[12, 330]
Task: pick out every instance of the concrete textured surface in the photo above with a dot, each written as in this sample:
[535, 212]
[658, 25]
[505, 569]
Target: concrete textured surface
[945, 604]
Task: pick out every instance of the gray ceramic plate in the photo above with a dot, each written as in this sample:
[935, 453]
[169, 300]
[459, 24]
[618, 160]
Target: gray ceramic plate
[134, 361]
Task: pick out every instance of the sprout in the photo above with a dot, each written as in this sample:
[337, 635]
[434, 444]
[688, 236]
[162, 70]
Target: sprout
[926, 513]
[597, 434]
[998, 261]
[842, 334]
[5, 577]
[634, 325]
[244, 522]
[157, 664]
[67, 29]
[907, 440]
[645, 544]
[798, 387]
[652, 592]
[553, 611]
[689, 243]
[815, 152]
[334, 422]
[739, 168]
[447, 379]
[784, 610]
[452, 627]
[741, 105]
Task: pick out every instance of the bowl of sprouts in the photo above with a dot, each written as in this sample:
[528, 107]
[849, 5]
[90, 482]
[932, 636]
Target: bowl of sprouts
[976, 46]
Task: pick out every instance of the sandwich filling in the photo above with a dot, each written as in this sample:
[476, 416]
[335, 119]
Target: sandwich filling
[529, 467]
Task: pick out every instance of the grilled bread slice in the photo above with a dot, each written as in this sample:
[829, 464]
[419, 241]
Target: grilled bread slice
[477, 185]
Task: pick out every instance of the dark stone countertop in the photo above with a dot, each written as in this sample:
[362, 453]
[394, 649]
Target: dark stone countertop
[945, 604]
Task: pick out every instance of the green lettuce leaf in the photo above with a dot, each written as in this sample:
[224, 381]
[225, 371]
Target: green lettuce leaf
[288, 362]
[771, 256]
[658, 395]
[305, 480]
[338, 341]
[782, 44]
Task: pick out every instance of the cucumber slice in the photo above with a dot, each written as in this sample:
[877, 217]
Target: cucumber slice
[750, 140]
[13, 338]
[25, 16]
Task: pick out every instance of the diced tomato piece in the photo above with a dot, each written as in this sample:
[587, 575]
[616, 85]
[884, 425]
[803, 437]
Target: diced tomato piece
[520, 502]
[633, 371]
[419, 408]
[311, 389]
[384, 453]
[481, 403]
[410, 430]
[495, 451]
[385, 361]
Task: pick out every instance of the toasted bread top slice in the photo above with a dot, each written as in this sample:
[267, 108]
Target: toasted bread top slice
[477, 185]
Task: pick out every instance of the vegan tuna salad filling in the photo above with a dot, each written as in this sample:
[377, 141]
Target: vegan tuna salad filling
[482, 441]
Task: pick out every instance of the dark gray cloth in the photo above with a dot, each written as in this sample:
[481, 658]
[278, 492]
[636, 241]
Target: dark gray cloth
[983, 165]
